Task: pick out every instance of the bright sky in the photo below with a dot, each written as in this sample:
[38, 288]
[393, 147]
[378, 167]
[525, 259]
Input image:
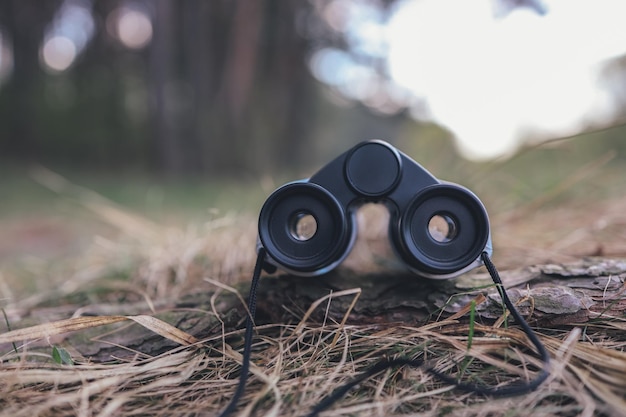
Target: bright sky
[491, 80]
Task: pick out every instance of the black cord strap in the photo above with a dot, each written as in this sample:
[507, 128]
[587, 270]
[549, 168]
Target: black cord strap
[532, 336]
[512, 389]
[247, 344]
[376, 369]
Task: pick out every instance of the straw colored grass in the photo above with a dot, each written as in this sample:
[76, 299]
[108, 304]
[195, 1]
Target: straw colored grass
[295, 364]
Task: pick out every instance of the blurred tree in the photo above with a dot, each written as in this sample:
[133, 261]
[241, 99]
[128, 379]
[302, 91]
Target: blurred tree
[225, 84]
[229, 85]
[222, 87]
[24, 22]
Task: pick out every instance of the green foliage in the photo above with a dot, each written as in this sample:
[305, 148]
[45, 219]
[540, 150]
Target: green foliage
[472, 318]
[6, 320]
[61, 356]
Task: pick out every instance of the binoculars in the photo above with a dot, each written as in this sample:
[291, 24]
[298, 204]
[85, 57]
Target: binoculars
[437, 229]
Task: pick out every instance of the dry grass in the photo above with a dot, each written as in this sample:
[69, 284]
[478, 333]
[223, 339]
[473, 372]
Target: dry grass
[297, 364]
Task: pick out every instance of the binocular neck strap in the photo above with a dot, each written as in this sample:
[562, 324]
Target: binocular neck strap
[247, 344]
[383, 364]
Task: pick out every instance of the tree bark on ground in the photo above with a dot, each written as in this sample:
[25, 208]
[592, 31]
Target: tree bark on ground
[550, 296]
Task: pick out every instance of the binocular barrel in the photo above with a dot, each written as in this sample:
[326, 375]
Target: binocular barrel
[438, 229]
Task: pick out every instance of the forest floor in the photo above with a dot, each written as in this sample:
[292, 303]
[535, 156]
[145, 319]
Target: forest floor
[69, 253]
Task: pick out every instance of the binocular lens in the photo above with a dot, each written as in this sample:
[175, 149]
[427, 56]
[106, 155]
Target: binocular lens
[304, 228]
[443, 230]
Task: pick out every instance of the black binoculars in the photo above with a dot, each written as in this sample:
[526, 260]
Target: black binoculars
[438, 229]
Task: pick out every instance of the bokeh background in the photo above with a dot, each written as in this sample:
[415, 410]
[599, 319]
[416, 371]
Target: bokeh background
[187, 110]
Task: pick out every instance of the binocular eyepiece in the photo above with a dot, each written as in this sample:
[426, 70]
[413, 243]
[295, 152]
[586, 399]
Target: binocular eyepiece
[438, 229]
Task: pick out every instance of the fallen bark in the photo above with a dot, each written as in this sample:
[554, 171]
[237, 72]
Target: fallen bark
[547, 295]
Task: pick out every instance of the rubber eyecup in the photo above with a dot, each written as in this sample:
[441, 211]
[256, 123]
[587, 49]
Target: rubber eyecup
[444, 229]
[304, 228]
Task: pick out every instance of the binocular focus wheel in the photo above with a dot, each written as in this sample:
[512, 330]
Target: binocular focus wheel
[443, 230]
[373, 169]
[304, 228]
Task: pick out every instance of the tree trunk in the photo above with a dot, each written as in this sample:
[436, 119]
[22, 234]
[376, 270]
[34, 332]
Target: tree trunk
[25, 21]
